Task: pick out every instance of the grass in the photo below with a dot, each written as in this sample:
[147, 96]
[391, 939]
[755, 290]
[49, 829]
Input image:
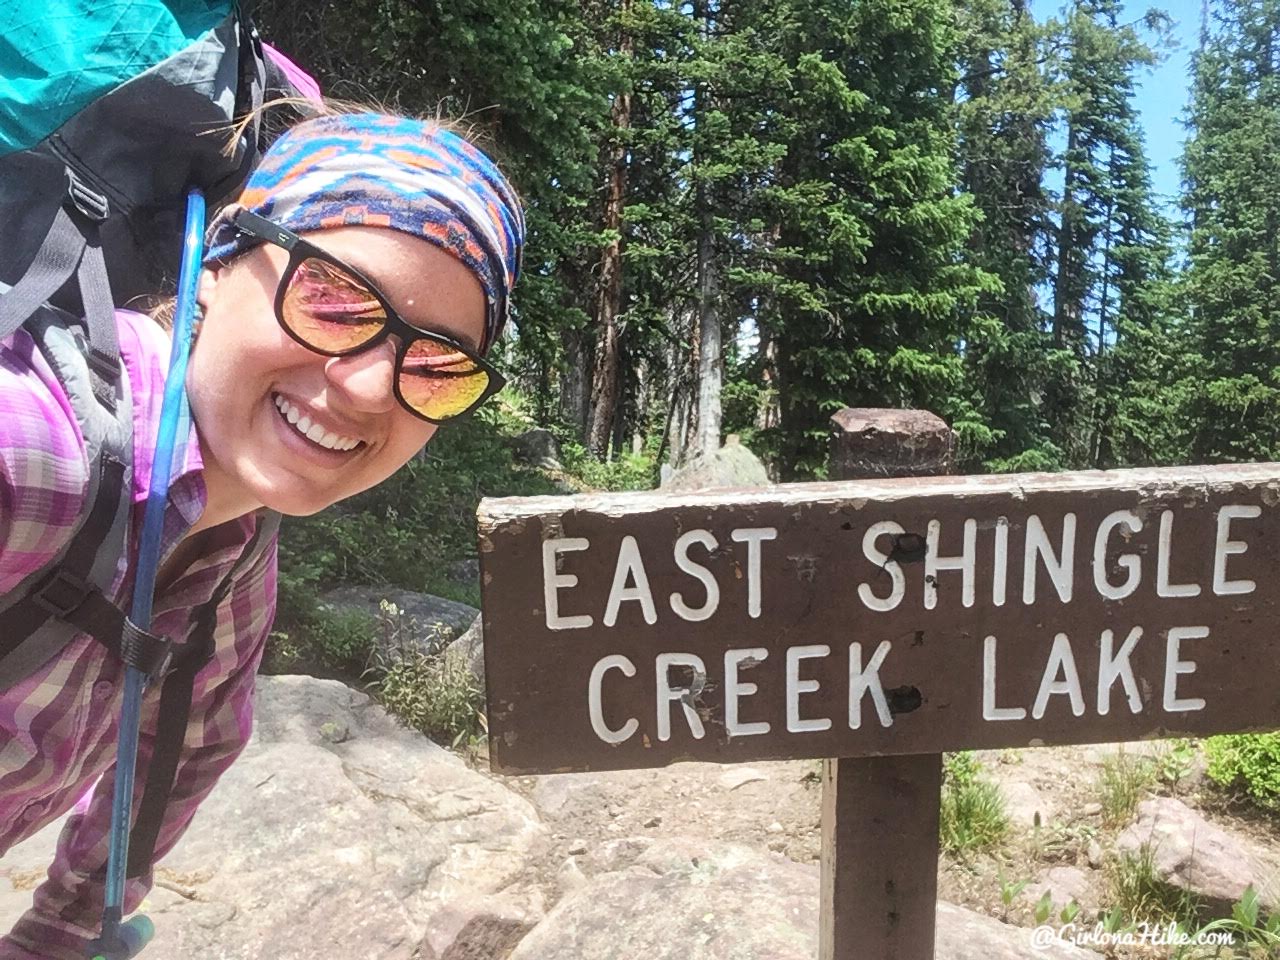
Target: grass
[1122, 782]
[1137, 890]
[973, 817]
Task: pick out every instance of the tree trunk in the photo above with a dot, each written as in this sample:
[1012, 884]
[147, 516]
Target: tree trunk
[574, 382]
[1066, 305]
[604, 381]
[711, 353]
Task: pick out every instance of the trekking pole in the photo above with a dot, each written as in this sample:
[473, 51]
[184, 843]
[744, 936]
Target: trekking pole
[122, 941]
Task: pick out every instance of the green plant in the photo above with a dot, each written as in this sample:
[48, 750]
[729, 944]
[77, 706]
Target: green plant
[1043, 907]
[421, 685]
[1122, 781]
[1069, 912]
[325, 642]
[1140, 893]
[1245, 931]
[1114, 921]
[973, 816]
[434, 694]
[1247, 761]
[1009, 890]
[1175, 760]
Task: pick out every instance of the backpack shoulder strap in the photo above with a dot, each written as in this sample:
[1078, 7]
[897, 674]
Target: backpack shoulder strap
[46, 611]
[175, 702]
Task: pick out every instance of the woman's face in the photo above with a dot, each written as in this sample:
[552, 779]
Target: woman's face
[243, 366]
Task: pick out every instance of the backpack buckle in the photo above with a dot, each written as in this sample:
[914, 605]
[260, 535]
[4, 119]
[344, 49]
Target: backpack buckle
[61, 593]
[89, 202]
[145, 651]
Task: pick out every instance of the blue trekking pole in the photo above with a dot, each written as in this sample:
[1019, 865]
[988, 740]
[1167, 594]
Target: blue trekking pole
[122, 941]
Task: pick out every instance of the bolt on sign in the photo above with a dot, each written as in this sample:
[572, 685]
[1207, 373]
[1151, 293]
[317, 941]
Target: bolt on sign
[880, 617]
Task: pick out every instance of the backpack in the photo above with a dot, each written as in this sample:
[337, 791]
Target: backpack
[92, 204]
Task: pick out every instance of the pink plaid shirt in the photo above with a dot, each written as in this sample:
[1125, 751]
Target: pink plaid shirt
[58, 727]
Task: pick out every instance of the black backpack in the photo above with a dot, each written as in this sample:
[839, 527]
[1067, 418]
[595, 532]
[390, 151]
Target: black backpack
[92, 216]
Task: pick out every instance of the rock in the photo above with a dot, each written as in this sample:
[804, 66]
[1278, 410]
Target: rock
[698, 900]
[1091, 809]
[483, 928]
[465, 572]
[689, 900]
[1190, 852]
[1023, 802]
[733, 465]
[468, 650]
[309, 847]
[570, 875]
[735, 777]
[538, 448]
[615, 855]
[577, 848]
[966, 935]
[1063, 884]
[653, 822]
[774, 827]
[428, 623]
[1093, 853]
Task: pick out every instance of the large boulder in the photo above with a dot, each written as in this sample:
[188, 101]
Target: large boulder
[427, 624]
[967, 935]
[1190, 852]
[538, 448]
[468, 650]
[337, 833]
[695, 900]
[733, 465]
[686, 900]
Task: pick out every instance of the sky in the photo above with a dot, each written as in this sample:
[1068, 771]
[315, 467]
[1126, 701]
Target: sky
[1161, 91]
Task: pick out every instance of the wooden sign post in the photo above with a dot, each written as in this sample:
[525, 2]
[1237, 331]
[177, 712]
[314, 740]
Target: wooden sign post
[880, 814]
[880, 618]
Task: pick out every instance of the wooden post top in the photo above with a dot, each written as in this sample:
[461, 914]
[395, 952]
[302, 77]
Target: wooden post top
[869, 442]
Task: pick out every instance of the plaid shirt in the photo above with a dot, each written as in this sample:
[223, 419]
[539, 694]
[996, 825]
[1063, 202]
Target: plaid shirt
[58, 727]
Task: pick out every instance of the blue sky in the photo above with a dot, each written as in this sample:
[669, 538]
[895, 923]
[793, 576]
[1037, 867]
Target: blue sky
[1161, 91]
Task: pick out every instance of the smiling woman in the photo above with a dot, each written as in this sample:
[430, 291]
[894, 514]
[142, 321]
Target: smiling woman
[348, 300]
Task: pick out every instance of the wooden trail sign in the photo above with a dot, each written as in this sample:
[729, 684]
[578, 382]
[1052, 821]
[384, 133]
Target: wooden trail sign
[880, 617]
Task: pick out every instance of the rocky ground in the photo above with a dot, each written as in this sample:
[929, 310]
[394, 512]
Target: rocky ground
[339, 833]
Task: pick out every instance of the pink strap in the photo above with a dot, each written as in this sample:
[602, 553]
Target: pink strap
[301, 80]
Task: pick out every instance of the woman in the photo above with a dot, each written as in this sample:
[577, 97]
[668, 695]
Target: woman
[348, 299]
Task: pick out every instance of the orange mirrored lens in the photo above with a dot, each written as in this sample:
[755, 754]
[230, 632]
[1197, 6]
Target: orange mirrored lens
[330, 309]
[438, 381]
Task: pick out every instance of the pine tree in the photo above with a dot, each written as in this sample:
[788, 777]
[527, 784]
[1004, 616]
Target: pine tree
[1109, 235]
[871, 294]
[1231, 172]
[1005, 107]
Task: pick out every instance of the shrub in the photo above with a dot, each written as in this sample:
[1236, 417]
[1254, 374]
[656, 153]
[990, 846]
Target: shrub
[435, 696]
[1247, 761]
[973, 816]
[324, 643]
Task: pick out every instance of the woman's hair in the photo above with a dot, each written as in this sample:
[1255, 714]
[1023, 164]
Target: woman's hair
[277, 116]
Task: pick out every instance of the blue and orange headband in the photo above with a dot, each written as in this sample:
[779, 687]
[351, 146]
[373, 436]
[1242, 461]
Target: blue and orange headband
[369, 169]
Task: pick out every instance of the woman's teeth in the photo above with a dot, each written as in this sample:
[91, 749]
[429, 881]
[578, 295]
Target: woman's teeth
[313, 431]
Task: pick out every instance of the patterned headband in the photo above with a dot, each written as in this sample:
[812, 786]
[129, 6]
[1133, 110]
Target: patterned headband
[370, 169]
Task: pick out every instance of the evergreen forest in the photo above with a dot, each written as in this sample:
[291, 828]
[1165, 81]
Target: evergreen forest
[746, 214]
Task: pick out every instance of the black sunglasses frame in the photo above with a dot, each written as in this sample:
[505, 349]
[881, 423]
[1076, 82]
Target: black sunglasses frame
[394, 325]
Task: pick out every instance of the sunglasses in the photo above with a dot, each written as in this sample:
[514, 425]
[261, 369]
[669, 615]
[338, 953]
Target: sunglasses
[333, 309]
